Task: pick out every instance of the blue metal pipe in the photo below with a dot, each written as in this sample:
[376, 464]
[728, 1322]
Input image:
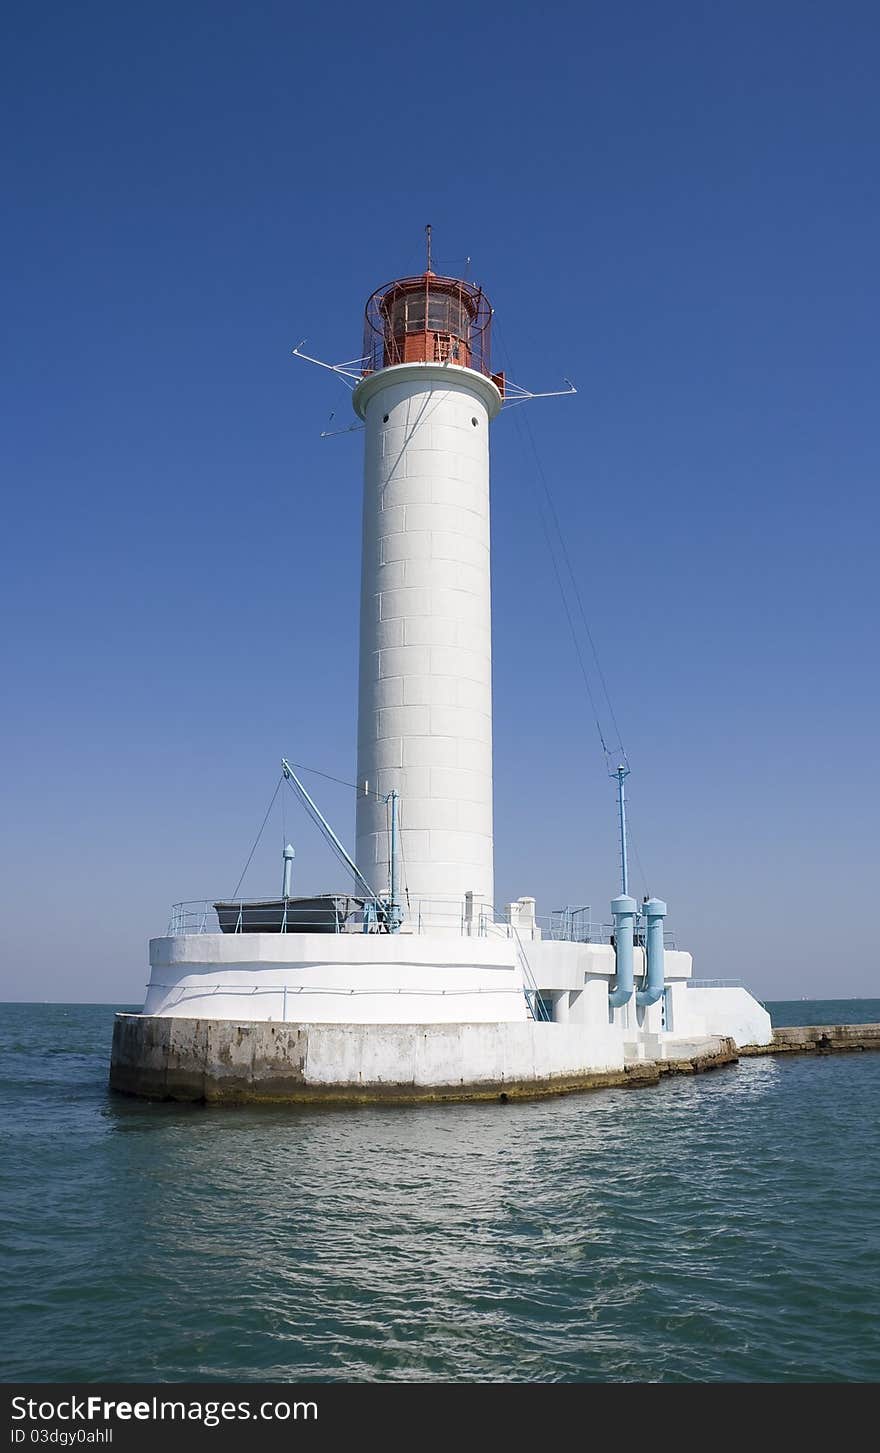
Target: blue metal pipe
[654, 911]
[624, 910]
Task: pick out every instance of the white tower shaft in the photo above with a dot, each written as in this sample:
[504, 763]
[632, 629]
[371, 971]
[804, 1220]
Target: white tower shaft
[425, 696]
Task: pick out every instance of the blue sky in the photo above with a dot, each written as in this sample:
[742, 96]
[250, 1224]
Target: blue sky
[677, 207]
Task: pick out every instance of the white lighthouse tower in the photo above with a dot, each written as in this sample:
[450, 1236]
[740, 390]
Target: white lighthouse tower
[427, 399]
[416, 985]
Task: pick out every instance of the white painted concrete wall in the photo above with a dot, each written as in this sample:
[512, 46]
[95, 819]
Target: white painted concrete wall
[459, 1054]
[425, 693]
[560, 965]
[412, 980]
[734, 1012]
[336, 978]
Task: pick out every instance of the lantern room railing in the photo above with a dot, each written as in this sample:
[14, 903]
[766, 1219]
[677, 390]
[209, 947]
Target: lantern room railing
[428, 319]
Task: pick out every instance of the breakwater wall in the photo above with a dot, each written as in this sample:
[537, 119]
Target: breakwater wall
[211, 1061]
[818, 1039]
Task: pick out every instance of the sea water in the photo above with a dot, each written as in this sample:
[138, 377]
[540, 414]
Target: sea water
[717, 1227]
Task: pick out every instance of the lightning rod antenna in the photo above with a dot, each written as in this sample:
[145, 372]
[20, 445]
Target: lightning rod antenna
[428, 245]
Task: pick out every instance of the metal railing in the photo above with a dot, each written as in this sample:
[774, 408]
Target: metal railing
[715, 983]
[537, 1006]
[195, 916]
[343, 913]
[337, 913]
[574, 926]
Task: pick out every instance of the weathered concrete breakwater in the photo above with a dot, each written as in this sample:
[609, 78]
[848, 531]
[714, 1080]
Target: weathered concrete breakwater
[818, 1039]
[223, 1062]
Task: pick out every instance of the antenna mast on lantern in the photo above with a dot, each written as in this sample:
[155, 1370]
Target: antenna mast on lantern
[428, 245]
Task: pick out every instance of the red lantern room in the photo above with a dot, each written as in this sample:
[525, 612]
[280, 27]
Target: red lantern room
[429, 319]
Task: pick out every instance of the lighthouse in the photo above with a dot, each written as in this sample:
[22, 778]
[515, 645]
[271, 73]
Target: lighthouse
[427, 398]
[416, 985]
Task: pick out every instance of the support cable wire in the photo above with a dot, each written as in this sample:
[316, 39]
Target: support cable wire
[574, 636]
[631, 840]
[257, 840]
[527, 435]
[340, 855]
[340, 781]
[527, 432]
[370, 792]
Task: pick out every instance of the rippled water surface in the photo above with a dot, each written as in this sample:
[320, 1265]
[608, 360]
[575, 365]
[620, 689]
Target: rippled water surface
[718, 1227]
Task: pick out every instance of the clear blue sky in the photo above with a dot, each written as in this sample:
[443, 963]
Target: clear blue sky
[675, 205]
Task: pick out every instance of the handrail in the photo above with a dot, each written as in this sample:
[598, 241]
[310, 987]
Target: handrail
[535, 1005]
[420, 916]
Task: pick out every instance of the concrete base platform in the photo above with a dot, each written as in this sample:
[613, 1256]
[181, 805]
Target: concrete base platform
[223, 1062]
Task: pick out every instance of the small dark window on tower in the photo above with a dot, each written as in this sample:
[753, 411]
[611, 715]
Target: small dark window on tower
[384, 418]
[474, 422]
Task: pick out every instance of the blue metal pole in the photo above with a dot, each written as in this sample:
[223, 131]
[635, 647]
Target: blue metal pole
[624, 910]
[622, 774]
[394, 905]
[654, 911]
